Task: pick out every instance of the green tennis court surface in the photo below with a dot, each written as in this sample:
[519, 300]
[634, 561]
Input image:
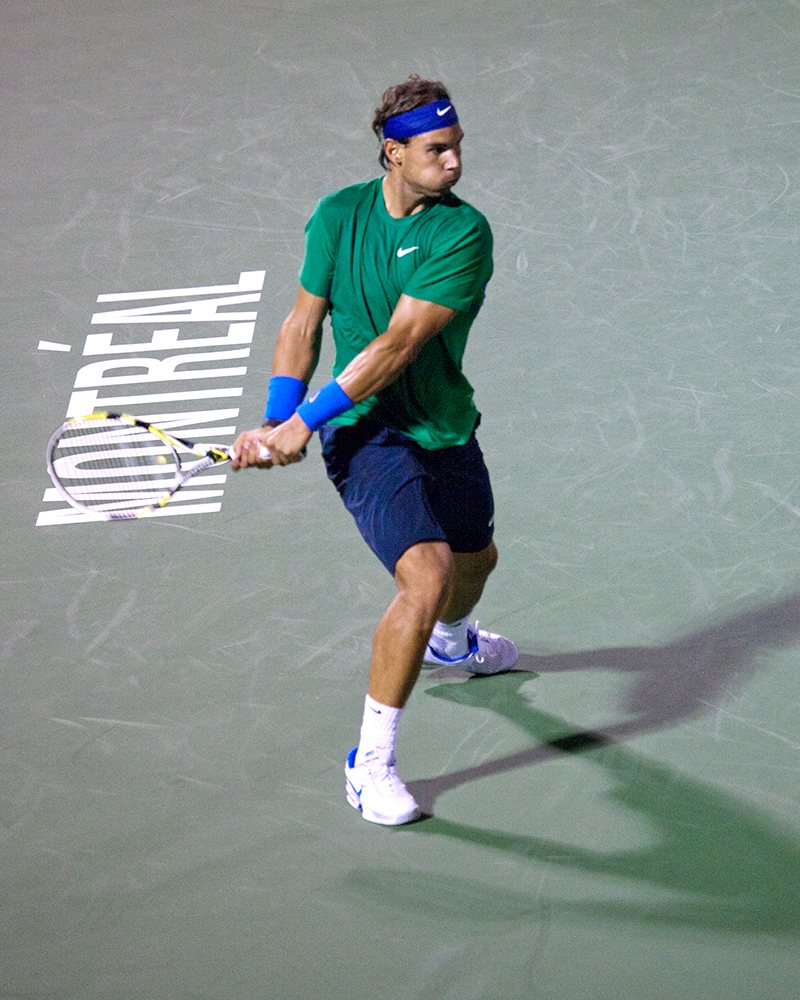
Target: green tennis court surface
[620, 821]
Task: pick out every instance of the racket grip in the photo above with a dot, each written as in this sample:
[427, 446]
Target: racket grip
[263, 453]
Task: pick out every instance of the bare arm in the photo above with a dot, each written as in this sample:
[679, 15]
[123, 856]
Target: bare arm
[296, 354]
[297, 350]
[413, 323]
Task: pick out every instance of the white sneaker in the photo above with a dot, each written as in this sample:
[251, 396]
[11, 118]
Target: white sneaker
[375, 788]
[488, 653]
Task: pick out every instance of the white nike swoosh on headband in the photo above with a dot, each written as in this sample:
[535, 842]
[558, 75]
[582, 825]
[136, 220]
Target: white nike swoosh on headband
[444, 110]
[403, 251]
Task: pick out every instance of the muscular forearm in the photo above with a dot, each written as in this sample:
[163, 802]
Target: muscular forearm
[376, 367]
[297, 351]
[413, 324]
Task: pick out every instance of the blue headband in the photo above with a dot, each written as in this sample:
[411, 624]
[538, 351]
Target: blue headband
[428, 118]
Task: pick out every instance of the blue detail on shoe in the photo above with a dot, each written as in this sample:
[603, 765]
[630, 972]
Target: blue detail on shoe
[353, 793]
[373, 788]
[472, 639]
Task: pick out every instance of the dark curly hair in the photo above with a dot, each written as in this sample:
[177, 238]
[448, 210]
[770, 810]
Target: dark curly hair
[402, 97]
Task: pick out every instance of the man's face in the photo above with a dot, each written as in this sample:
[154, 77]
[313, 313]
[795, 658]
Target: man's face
[430, 164]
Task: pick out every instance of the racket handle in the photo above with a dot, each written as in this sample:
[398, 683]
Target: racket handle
[263, 453]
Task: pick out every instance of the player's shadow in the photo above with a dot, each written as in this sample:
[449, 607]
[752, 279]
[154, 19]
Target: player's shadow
[701, 857]
[672, 683]
[724, 862]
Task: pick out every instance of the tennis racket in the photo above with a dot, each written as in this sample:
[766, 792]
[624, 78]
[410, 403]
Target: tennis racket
[116, 467]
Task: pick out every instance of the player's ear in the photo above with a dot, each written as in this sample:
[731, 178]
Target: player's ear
[394, 151]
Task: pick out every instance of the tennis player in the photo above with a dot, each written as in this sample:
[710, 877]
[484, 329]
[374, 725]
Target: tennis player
[400, 264]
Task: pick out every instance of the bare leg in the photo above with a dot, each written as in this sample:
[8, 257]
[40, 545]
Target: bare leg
[431, 581]
[472, 570]
[433, 585]
[424, 575]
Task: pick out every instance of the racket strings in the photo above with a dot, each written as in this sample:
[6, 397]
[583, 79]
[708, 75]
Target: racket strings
[109, 465]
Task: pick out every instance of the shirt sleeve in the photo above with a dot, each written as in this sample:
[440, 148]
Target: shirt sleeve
[456, 273]
[316, 273]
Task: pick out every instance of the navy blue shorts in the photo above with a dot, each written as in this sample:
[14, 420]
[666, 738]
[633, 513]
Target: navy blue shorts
[401, 494]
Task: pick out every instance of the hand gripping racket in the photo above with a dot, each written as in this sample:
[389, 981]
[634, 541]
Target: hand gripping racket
[116, 467]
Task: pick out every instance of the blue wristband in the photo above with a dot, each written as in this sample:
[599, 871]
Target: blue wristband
[284, 396]
[326, 403]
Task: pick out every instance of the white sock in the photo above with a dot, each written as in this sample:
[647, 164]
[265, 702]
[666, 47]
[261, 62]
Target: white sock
[450, 639]
[379, 729]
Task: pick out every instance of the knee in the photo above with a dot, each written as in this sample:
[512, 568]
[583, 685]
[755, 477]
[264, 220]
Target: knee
[425, 574]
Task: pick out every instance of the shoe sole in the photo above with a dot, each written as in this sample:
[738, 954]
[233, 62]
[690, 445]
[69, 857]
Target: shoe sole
[471, 667]
[476, 668]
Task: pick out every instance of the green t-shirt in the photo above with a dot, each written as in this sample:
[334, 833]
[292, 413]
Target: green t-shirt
[362, 260]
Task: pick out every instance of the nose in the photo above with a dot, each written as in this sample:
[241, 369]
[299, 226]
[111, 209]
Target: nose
[453, 159]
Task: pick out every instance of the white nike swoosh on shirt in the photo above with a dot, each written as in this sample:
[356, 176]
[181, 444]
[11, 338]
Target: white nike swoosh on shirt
[401, 252]
[444, 110]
